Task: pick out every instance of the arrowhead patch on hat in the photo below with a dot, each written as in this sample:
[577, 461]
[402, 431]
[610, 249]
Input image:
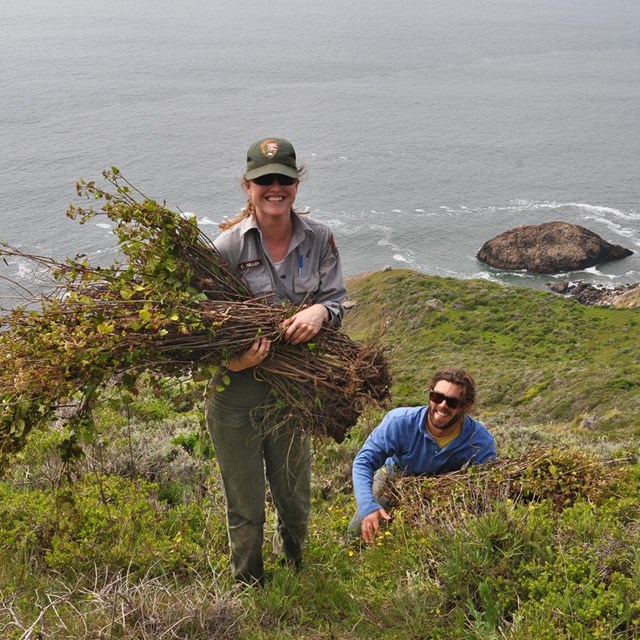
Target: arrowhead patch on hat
[269, 148]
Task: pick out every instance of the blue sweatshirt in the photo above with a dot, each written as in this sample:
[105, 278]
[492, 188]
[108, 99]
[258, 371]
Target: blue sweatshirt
[402, 441]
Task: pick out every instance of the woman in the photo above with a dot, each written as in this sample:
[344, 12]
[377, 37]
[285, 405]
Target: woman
[283, 257]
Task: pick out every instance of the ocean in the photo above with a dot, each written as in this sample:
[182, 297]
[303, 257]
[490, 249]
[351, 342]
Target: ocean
[426, 126]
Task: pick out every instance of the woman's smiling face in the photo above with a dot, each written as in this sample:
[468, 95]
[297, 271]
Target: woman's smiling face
[272, 200]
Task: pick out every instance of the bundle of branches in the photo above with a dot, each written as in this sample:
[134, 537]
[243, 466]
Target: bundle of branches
[173, 307]
[558, 475]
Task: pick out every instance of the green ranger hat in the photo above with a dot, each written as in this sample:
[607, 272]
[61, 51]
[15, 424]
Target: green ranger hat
[271, 155]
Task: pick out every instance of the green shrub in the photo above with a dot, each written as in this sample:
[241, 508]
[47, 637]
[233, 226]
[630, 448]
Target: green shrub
[108, 521]
[534, 548]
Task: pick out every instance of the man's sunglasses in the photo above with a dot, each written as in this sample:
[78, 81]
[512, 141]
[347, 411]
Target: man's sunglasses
[452, 403]
[270, 178]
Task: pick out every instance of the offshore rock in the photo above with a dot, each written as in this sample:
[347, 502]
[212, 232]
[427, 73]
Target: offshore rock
[551, 247]
[624, 297]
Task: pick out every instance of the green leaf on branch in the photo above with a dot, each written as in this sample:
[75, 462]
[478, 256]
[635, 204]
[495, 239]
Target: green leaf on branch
[168, 305]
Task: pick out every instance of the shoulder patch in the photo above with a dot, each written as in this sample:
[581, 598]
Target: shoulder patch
[332, 244]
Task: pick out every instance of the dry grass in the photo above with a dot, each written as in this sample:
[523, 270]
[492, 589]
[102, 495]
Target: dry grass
[117, 606]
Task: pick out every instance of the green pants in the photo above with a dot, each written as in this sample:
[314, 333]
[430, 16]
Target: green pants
[252, 441]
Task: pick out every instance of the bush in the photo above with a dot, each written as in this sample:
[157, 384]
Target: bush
[106, 521]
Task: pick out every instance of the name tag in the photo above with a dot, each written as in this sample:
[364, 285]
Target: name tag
[251, 264]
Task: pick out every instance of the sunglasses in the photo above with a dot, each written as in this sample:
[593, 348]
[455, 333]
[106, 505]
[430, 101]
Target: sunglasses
[452, 403]
[270, 178]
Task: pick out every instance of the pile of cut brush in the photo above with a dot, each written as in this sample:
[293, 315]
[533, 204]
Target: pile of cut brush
[173, 307]
[560, 476]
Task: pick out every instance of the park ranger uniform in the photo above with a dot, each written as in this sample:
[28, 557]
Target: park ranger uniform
[246, 440]
[310, 272]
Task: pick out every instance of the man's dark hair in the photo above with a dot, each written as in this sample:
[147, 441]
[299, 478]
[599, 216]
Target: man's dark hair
[457, 376]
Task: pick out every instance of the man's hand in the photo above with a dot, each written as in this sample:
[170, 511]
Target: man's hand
[371, 523]
[253, 356]
[305, 324]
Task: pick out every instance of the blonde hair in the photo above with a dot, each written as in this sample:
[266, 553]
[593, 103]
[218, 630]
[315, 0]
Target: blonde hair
[249, 208]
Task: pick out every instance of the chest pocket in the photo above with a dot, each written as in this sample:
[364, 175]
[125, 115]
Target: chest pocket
[258, 281]
[306, 285]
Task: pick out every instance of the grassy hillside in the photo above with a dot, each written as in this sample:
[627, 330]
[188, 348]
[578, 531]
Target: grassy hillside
[129, 540]
[537, 357]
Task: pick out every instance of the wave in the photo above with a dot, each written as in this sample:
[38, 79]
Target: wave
[618, 229]
[593, 208]
[596, 272]
[537, 205]
[206, 221]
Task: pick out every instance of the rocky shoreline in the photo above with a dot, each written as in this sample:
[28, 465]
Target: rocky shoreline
[619, 297]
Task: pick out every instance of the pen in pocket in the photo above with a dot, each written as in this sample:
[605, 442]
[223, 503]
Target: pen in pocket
[300, 265]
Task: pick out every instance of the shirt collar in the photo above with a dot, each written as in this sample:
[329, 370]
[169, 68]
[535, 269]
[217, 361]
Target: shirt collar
[300, 226]
[247, 223]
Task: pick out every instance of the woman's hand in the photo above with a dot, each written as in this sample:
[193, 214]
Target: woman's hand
[253, 356]
[300, 327]
[305, 324]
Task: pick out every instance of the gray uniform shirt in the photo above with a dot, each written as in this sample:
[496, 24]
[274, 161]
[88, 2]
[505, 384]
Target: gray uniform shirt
[310, 273]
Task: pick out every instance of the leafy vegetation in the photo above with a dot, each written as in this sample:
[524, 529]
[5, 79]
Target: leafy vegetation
[174, 307]
[537, 357]
[129, 540]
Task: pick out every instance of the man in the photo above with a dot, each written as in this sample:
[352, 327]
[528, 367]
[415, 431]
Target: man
[425, 440]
